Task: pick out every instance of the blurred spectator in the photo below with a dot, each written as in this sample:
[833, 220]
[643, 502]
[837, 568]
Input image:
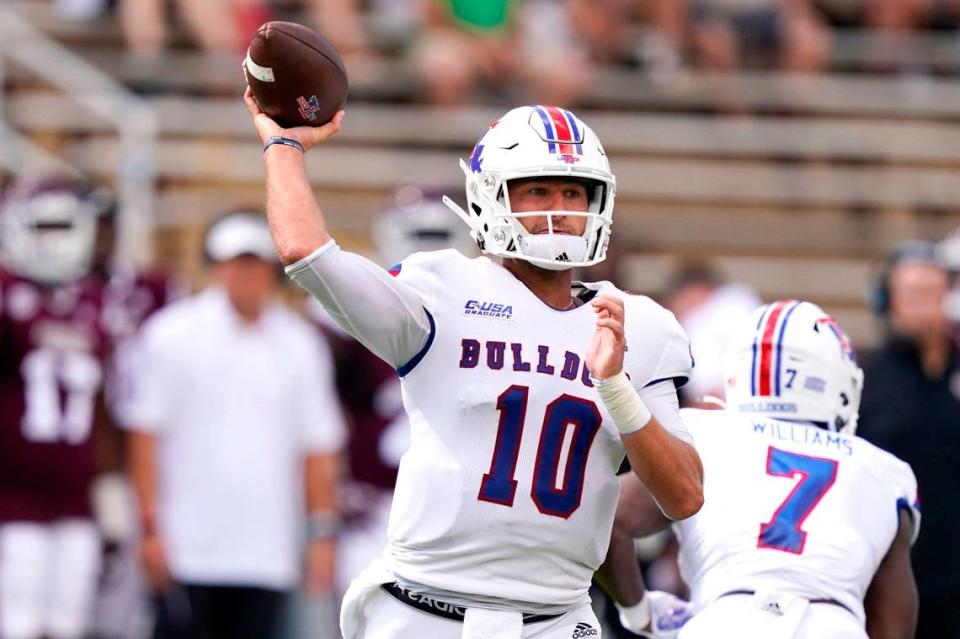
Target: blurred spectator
[911, 407]
[890, 20]
[729, 34]
[343, 23]
[492, 43]
[81, 9]
[660, 48]
[130, 296]
[215, 25]
[709, 311]
[51, 372]
[234, 422]
[225, 26]
[949, 255]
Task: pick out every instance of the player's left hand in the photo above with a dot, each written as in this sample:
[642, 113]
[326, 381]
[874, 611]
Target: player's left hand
[668, 613]
[605, 352]
[318, 579]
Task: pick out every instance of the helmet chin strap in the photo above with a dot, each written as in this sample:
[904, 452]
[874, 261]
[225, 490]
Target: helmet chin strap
[556, 249]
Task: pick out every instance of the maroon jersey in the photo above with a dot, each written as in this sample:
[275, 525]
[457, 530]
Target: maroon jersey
[370, 391]
[131, 297]
[52, 354]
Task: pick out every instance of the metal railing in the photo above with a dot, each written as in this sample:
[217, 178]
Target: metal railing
[134, 119]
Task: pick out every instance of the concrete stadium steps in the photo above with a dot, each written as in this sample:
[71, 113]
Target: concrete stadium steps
[687, 230]
[665, 135]
[789, 232]
[661, 180]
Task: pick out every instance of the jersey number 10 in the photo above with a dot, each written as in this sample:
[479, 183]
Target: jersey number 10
[500, 487]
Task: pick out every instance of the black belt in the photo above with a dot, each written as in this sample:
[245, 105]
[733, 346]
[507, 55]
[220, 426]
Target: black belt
[832, 602]
[429, 605]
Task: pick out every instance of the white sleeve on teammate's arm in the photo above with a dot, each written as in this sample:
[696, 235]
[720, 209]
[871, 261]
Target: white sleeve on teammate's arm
[905, 485]
[382, 313]
[662, 400]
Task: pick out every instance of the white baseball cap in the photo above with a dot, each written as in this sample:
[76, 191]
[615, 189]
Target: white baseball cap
[239, 234]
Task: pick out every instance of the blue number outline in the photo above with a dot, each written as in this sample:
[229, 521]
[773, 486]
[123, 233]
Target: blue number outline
[561, 413]
[817, 475]
[499, 486]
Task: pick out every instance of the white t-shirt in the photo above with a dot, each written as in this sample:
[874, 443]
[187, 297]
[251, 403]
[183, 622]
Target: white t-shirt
[507, 492]
[790, 507]
[235, 408]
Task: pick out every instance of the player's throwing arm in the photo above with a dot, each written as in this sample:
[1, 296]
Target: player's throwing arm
[669, 467]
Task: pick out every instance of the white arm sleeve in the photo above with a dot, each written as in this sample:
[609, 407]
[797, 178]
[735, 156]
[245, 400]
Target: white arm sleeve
[661, 398]
[383, 314]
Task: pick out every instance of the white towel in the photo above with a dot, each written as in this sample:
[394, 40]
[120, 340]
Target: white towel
[480, 623]
[355, 600]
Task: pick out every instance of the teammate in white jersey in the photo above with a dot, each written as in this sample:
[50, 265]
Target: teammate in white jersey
[806, 529]
[521, 399]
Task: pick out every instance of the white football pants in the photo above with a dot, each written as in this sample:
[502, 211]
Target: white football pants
[772, 617]
[48, 577]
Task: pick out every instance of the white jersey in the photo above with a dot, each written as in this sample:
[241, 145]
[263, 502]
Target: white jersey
[790, 507]
[508, 490]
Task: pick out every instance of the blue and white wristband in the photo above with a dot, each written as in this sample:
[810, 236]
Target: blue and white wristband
[284, 141]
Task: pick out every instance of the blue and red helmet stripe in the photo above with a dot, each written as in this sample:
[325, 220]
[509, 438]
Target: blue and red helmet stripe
[562, 134]
[768, 346]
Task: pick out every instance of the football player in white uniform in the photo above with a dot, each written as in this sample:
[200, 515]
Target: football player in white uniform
[806, 528]
[505, 498]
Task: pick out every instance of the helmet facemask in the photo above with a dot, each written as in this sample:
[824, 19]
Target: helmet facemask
[518, 147]
[50, 237]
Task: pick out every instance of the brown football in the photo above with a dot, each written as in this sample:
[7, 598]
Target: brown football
[296, 75]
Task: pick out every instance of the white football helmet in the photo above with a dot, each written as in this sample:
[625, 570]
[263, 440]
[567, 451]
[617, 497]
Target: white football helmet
[417, 220]
[528, 142]
[792, 361]
[48, 228]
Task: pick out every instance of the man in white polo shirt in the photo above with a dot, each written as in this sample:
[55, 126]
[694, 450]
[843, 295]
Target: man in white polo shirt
[237, 426]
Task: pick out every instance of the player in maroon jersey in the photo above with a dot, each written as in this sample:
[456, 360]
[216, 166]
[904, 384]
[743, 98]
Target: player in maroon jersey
[52, 353]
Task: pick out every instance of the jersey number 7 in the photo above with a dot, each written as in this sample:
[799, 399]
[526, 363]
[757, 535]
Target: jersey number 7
[817, 475]
[499, 486]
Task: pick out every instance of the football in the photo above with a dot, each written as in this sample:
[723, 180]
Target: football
[297, 77]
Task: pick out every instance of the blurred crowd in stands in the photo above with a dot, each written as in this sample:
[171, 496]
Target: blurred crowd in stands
[550, 48]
